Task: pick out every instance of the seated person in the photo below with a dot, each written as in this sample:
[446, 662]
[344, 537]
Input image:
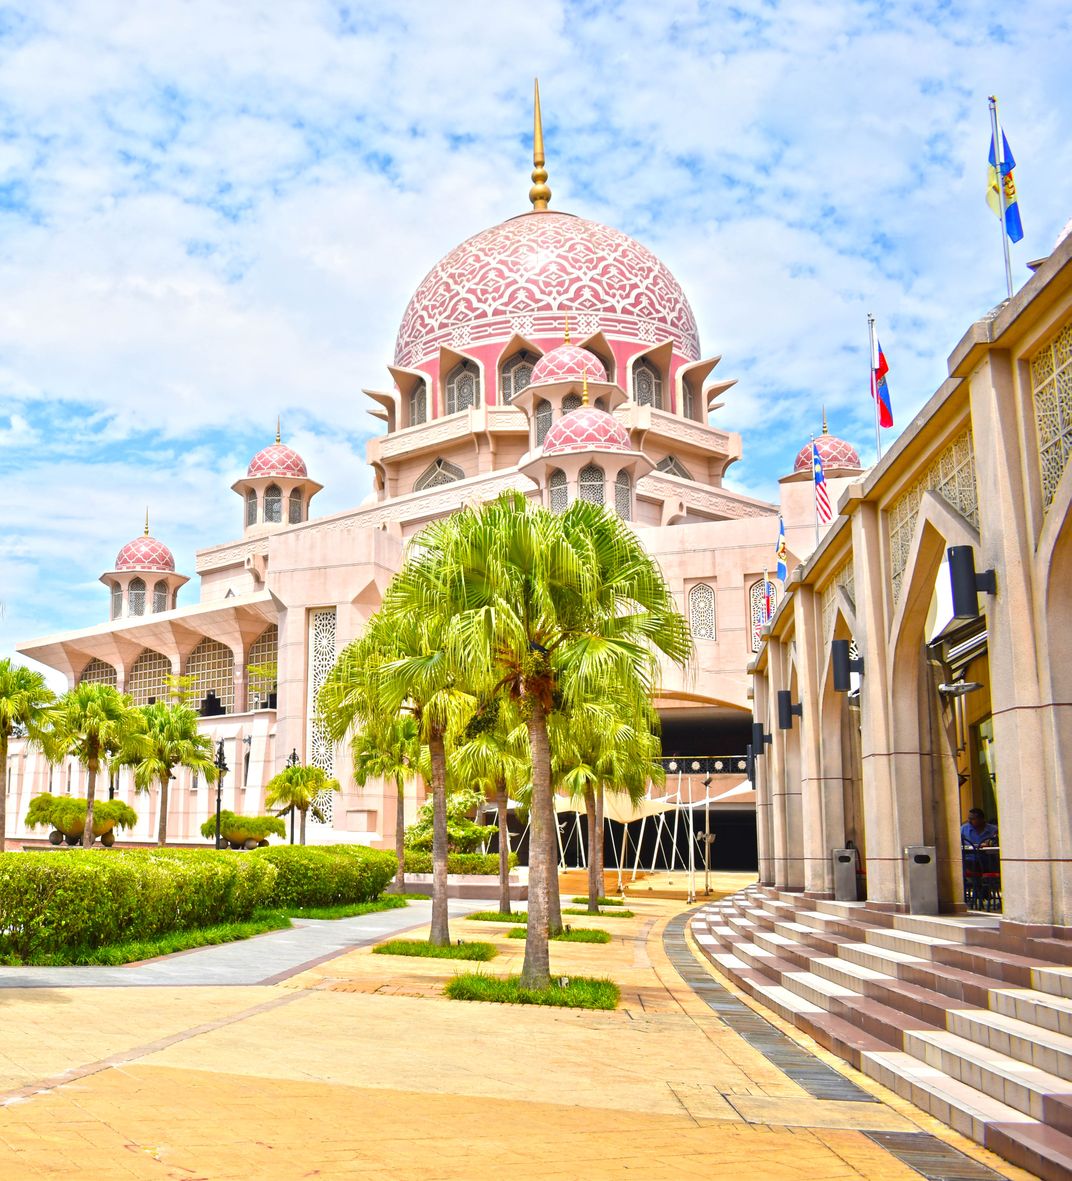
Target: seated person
[977, 830]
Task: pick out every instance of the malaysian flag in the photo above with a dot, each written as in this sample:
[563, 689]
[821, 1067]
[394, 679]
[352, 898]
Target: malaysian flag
[823, 513]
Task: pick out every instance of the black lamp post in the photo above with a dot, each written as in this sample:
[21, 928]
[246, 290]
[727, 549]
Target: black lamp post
[221, 770]
[292, 761]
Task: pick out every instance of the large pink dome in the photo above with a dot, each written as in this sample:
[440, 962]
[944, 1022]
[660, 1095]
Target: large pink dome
[586, 429]
[566, 363]
[524, 275]
[835, 453]
[278, 460]
[145, 553]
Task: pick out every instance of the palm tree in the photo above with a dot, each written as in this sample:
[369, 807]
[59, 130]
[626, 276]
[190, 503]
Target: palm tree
[389, 749]
[25, 699]
[92, 722]
[550, 609]
[400, 665]
[170, 740]
[296, 788]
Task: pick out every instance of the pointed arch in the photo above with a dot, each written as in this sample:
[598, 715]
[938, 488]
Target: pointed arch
[439, 472]
[273, 504]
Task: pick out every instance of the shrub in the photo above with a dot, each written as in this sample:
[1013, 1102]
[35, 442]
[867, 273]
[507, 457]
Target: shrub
[452, 951]
[578, 992]
[239, 829]
[463, 834]
[484, 864]
[52, 902]
[327, 876]
[582, 900]
[603, 914]
[498, 916]
[68, 814]
[569, 935]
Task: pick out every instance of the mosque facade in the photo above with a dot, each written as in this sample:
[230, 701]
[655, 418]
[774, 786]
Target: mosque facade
[548, 354]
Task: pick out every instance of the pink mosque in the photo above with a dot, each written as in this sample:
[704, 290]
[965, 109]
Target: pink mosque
[548, 354]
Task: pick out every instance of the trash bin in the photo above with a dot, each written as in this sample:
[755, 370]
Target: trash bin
[844, 875]
[921, 879]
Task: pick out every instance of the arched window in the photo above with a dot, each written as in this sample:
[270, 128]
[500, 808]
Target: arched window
[273, 504]
[438, 473]
[262, 668]
[516, 375]
[98, 673]
[294, 514]
[762, 600]
[570, 403]
[556, 486]
[674, 467]
[211, 669]
[136, 597]
[117, 600]
[251, 507]
[702, 612]
[148, 677]
[418, 404]
[544, 416]
[688, 401]
[623, 496]
[647, 385]
[160, 597]
[463, 387]
[590, 484]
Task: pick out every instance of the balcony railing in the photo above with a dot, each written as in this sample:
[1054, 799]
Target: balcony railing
[705, 765]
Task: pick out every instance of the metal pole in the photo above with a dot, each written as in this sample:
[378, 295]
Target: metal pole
[625, 854]
[707, 840]
[677, 819]
[580, 840]
[692, 858]
[640, 842]
[872, 352]
[815, 490]
[221, 770]
[999, 160]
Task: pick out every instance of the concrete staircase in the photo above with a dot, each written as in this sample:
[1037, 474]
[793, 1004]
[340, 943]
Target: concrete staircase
[966, 1018]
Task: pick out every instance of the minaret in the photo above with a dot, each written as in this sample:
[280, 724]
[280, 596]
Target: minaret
[276, 489]
[143, 580]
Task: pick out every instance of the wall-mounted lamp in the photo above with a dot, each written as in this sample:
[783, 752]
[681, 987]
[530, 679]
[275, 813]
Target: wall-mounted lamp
[966, 582]
[758, 739]
[958, 688]
[750, 764]
[787, 709]
[843, 665]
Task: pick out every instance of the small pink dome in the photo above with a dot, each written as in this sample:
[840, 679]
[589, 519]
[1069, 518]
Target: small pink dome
[145, 553]
[278, 460]
[565, 363]
[586, 429]
[834, 452]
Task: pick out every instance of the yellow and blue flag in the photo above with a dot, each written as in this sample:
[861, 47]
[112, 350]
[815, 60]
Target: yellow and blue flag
[1012, 206]
[781, 552]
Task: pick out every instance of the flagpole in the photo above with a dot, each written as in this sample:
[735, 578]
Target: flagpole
[874, 385]
[814, 491]
[999, 160]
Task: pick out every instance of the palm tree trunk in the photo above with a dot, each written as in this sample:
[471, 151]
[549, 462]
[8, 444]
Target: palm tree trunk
[304, 813]
[161, 828]
[554, 901]
[536, 971]
[599, 838]
[400, 842]
[504, 849]
[595, 877]
[440, 933]
[91, 791]
[3, 790]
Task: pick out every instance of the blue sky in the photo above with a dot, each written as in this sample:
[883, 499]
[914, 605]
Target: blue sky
[211, 213]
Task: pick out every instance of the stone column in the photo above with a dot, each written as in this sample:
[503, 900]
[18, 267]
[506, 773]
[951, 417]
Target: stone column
[807, 627]
[761, 782]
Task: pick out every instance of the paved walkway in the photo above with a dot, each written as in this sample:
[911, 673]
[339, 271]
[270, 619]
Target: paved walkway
[359, 1068]
[265, 959]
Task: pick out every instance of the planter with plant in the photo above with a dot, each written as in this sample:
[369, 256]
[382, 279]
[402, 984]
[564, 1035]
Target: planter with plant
[66, 817]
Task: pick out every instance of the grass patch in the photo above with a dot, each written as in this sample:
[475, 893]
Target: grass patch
[113, 954]
[347, 910]
[497, 916]
[452, 951]
[579, 992]
[414, 897]
[569, 935]
[603, 914]
[582, 900]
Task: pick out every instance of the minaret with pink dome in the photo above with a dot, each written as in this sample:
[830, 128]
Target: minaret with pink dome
[276, 489]
[143, 580]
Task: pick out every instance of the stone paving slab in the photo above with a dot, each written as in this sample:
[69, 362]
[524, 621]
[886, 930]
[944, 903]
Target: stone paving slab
[264, 959]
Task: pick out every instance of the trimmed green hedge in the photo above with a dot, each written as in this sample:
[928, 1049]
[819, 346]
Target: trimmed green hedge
[84, 899]
[328, 875]
[484, 864]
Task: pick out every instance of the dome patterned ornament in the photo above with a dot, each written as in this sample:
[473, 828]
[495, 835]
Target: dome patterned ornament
[566, 363]
[835, 453]
[586, 429]
[278, 459]
[543, 265]
[145, 553]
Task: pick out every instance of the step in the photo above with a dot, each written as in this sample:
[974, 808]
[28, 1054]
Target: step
[1001, 966]
[923, 947]
[1014, 1083]
[947, 1099]
[886, 1022]
[1057, 981]
[879, 959]
[1039, 1008]
[1035, 1147]
[817, 989]
[1017, 1039]
[955, 929]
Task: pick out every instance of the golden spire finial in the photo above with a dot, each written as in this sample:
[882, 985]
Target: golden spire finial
[146, 520]
[278, 428]
[565, 335]
[539, 194]
[825, 431]
[584, 389]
